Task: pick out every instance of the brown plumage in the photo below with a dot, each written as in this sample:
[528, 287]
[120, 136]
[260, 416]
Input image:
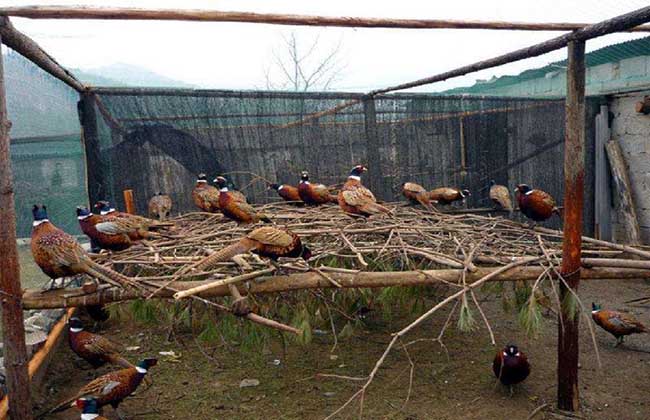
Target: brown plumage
[500, 195]
[354, 198]
[120, 223]
[446, 195]
[616, 323]
[510, 366]
[537, 205]
[416, 193]
[111, 388]
[58, 254]
[233, 207]
[314, 194]
[287, 192]
[160, 205]
[267, 241]
[94, 348]
[205, 196]
[88, 222]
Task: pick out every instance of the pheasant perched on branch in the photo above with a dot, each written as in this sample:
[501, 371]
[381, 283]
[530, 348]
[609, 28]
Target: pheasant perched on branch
[354, 198]
[94, 348]
[313, 194]
[89, 409]
[266, 241]
[537, 205]
[616, 323]
[88, 222]
[119, 223]
[510, 366]
[58, 254]
[416, 193]
[111, 388]
[205, 196]
[160, 205]
[287, 192]
[447, 195]
[500, 195]
[233, 207]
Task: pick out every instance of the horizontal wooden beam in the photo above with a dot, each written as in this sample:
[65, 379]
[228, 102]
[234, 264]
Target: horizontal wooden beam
[36, 299]
[119, 13]
[28, 48]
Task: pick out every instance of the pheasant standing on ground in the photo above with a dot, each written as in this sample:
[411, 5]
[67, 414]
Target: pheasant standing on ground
[287, 192]
[510, 366]
[119, 223]
[616, 323]
[354, 198]
[205, 196]
[88, 222]
[447, 195]
[94, 348]
[160, 205]
[416, 193]
[234, 208]
[111, 388]
[89, 409]
[313, 194]
[500, 195]
[59, 254]
[537, 205]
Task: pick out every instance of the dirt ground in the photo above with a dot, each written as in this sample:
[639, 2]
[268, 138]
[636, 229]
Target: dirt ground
[205, 384]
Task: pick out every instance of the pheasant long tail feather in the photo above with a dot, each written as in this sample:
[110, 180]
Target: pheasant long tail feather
[64, 405]
[108, 275]
[222, 255]
[116, 359]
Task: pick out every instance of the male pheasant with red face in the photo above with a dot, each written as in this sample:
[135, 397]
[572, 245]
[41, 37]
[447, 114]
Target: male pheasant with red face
[88, 222]
[416, 193]
[500, 195]
[510, 366]
[616, 323]
[205, 196]
[447, 195]
[535, 204]
[233, 207]
[313, 194]
[59, 254]
[94, 348]
[160, 205]
[89, 409]
[354, 198]
[267, 241]
[287, 192]
[111, 388]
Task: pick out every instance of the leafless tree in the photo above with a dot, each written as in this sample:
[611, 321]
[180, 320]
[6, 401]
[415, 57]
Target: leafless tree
[301, 69]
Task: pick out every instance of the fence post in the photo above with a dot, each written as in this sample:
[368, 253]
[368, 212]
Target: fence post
[90, 139]
[13, 328]
[373, 157]
[574, 170]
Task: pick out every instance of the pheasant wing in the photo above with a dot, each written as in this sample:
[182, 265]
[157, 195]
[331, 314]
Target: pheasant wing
[271, 236]
[102, 345]
[359, 196]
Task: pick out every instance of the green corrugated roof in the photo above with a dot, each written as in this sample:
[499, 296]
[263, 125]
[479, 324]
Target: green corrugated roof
[610, 54]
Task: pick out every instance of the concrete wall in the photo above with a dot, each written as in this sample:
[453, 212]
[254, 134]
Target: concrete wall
[633, 131]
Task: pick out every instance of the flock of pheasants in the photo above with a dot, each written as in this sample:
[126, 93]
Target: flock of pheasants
[59, 255]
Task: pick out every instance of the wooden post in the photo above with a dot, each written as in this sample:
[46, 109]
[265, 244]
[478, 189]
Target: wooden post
[129, 202]
[373, 157]
[603, 195]
[13, 329]
[90, 138]
[624, 192]
[574, 170]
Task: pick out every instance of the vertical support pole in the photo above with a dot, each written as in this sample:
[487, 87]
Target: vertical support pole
[375, 173]
[13, 328]
[603, 193]
[129, 202]
[574, 169]
[90, 138]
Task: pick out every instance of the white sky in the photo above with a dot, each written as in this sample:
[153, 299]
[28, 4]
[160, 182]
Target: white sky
[234, 55]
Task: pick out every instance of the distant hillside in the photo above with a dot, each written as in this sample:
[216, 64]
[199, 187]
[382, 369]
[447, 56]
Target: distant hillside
[127, 74]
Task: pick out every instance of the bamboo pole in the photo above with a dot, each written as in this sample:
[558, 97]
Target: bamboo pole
[129, 201]
[568, 397]
[113, 13]
[36, 299]
[13, 329]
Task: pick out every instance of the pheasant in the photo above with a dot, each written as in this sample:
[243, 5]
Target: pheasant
[237, 195]
[88, 222]
[94, 348]
[354, 198]
[111, 388]
[287, 192]
[266, 241]
[205, 196]
[537, 205]
[119, 223]
[446, 195]
[313, 194]
[89, 409]
[160, 205]
[500, 195]
[58, 254]
[616, 323]
[234, 208]
[510, 366]
[416, 193]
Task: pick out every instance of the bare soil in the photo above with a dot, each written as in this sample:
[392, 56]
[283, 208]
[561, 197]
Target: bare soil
[204, 382]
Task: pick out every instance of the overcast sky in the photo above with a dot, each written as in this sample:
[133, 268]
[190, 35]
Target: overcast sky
[234, 55]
